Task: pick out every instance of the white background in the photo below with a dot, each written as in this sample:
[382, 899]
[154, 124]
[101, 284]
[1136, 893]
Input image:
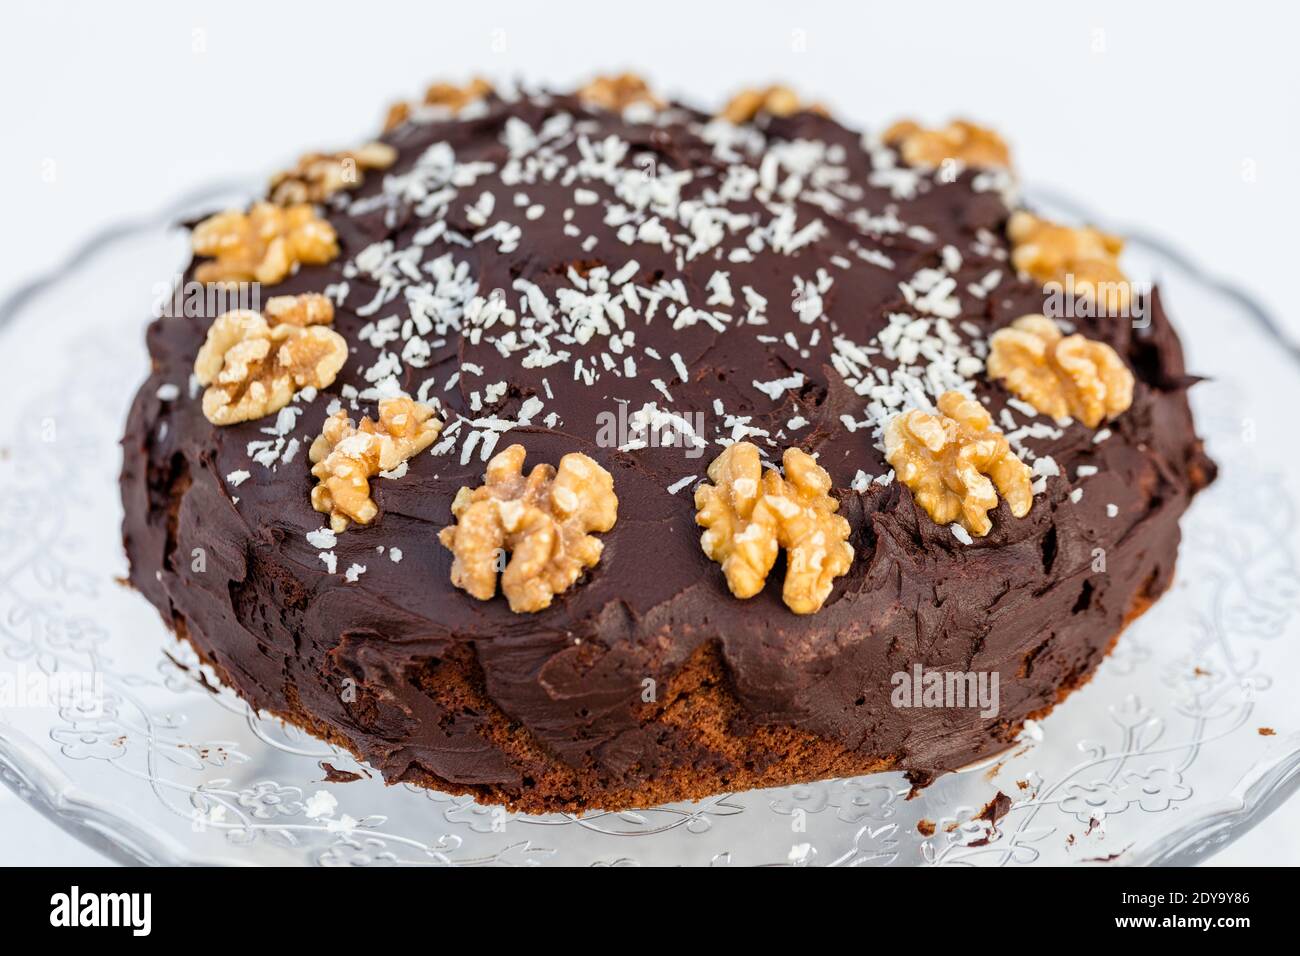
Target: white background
[1181, 117]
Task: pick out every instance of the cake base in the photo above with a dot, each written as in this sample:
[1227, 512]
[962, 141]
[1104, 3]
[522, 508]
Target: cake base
[699, 710]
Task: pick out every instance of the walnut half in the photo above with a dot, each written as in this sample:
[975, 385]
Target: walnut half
[252, 367]
[320, 175]
[961, 140]
[748, 516]
[1060, 375]
[264, 244]
[617, 93]
[1083, 258]
[543, 520]
[446, 95]
[747, 105]
[456, 98]
[346, 456]
[954, 461]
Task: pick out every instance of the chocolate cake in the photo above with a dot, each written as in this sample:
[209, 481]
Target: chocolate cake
[593, 451]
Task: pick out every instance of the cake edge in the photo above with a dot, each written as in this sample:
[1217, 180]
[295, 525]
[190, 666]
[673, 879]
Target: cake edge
[699, 694]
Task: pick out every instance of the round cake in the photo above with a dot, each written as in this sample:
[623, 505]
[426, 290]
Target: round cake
[593, 451]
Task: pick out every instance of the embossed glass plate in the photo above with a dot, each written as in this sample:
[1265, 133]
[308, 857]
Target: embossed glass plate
[111, 729]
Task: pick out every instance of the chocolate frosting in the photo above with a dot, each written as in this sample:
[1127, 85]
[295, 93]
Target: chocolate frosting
[347, 657]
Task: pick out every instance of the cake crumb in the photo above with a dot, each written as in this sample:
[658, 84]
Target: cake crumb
[334, 775]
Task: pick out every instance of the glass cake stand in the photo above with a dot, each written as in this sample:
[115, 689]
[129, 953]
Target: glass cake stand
[1188, 735]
